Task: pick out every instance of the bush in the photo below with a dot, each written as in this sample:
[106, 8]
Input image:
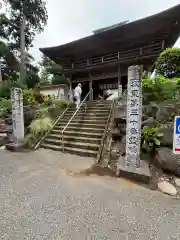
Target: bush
[29, 114]
[47, 101]
[37, 129]
[168, 63]
[159, 88]
[60, 103]
[40, 126]
[42, 112]
[29, 97]
[38, 97]
[55, 111]
[150, 138]
[5, 88]
[5, 107]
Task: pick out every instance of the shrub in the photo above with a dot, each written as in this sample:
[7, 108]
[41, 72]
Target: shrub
[150, 139]
[5, 106]
[28, 97]
[47, 101]
[37, 128]
[60, 103]
[42, 112]
[40, 126]
[159, 88]
[5, 88]
[55, 111]
[29, 114]
[168, 63]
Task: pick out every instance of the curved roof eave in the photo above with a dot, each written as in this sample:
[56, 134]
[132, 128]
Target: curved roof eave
[148, 23]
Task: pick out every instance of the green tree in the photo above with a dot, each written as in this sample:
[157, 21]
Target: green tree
[58, 79]
[45, 76]
[51, 72]
[26, 17]
[159, 89]
[35, 19]
[168, 63]
[9, 65]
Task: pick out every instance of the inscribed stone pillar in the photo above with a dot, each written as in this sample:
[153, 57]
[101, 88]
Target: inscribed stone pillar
[17, 114]
[134, 115]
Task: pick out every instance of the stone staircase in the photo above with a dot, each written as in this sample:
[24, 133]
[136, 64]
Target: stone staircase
[84, 133]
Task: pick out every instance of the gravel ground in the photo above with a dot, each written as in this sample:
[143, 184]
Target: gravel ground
[39, 200]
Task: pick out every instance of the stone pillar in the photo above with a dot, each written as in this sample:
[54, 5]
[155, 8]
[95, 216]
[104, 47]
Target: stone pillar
[17, 114]
[133, 117]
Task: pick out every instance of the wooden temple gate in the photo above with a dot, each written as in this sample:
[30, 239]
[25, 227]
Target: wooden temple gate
[101, 61]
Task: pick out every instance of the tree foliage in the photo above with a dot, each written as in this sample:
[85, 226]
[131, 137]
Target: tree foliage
[57, 79]
[51, 73]
[168, 63]
[159, 88]
[36, 18]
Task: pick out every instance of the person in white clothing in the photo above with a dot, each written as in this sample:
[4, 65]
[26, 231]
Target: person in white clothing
[77, 94]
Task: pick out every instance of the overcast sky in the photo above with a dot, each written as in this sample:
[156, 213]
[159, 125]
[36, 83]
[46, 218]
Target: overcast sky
[69, 20]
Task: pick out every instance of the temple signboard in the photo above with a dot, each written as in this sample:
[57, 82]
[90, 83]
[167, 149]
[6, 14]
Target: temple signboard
[17, 114]
[134, 115]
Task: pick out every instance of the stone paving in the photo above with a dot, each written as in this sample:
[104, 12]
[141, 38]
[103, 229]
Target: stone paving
[39, 200]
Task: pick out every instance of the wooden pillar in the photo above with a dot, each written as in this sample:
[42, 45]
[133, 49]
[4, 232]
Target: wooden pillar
[90, 87]
[149, 71]
[163, 44]
[119, 82]
[70, 88]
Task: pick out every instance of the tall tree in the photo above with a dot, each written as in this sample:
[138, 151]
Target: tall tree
[26, 17]
[35, 19]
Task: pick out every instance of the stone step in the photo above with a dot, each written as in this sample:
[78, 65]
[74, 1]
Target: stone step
[82, 121]
[73, 144]
[76, 151]
[89, 111]
[78, 133]
[100, 106]
[75, 138]
[84, 117]
[84, 125]
[99, 102]
[90, 115]
[2, 121]
[8, 120]
[80, 128]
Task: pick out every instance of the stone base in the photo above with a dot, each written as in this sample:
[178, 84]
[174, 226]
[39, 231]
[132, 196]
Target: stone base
[141, 174]
[15, 147]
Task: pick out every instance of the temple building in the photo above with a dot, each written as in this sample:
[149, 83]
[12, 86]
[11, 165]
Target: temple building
[100, 61]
